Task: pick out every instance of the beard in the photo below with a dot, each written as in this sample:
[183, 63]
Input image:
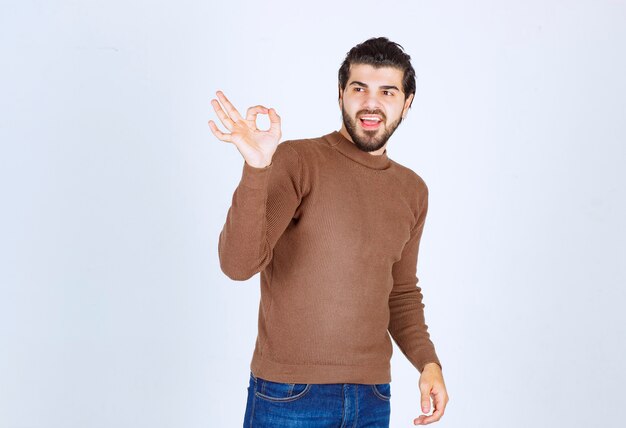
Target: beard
[371, 140]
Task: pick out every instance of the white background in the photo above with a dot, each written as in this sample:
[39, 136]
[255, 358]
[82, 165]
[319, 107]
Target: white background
[113, 309]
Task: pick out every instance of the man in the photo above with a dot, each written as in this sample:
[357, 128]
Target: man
[333, 225]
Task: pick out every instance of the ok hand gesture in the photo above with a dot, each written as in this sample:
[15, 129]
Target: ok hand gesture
[257, 147]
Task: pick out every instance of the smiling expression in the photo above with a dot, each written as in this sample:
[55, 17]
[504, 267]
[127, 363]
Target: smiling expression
[372, 106]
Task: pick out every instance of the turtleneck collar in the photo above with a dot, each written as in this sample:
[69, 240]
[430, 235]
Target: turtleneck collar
[340, 143]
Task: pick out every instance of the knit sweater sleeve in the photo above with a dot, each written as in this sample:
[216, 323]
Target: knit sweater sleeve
[263, 204]
[407, 322]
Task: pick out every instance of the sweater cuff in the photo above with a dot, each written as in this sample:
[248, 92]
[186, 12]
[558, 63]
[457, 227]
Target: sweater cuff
[255, 178]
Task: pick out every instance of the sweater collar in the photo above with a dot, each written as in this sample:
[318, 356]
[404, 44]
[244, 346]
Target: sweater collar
[340, 143]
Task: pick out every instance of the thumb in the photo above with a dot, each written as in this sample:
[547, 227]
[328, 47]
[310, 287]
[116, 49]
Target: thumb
[425, 392]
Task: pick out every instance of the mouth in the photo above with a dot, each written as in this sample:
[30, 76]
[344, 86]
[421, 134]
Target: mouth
[370, 122]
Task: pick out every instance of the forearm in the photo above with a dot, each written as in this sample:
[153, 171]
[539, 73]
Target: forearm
[243, 246]
[409, 330]
[262, 207]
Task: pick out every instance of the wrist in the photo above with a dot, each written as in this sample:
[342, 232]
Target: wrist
[259, 166]
[431, 366]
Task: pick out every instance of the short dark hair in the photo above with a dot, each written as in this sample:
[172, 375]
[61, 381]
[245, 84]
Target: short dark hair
[380, 52]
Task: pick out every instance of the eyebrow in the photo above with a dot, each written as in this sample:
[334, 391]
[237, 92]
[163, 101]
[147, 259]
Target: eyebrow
[356, 82]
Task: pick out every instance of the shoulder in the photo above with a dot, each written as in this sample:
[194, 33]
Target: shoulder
[302, 146]
[299, 157]
[413, 188]
[410, 179]
[308, 151]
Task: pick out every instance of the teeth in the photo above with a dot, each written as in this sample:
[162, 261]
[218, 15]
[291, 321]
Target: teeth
[369, 119]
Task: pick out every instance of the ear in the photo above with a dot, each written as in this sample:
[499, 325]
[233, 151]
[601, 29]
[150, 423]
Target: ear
[407, 104]
[340, 95]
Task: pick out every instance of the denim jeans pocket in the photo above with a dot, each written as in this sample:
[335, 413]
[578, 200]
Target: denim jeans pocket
[278, 391]
[382, 391]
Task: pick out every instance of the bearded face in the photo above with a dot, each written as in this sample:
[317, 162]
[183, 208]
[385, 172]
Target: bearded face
[369, 129]
[372, 105]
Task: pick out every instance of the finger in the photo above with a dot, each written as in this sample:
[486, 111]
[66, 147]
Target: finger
[424, 419]
[440, 400]
[439, 405]
[252, 112]
[227, 121]
[425, 398]
[230, 109]
[219, 134]
[274, 120]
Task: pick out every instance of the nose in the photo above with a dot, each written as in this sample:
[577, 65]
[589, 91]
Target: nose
[371, 101]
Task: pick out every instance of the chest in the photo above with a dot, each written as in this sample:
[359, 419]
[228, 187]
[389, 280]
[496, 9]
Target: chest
[364, 217]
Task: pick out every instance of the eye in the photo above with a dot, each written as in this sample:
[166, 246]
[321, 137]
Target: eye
[388, 93]
[358, 89]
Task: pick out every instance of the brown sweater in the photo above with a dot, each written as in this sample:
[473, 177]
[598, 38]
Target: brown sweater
[335, 233]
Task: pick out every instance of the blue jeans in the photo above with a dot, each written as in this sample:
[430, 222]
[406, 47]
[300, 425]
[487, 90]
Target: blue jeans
[307, 405]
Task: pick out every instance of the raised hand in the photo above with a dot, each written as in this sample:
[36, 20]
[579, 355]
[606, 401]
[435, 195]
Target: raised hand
[257, 147]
